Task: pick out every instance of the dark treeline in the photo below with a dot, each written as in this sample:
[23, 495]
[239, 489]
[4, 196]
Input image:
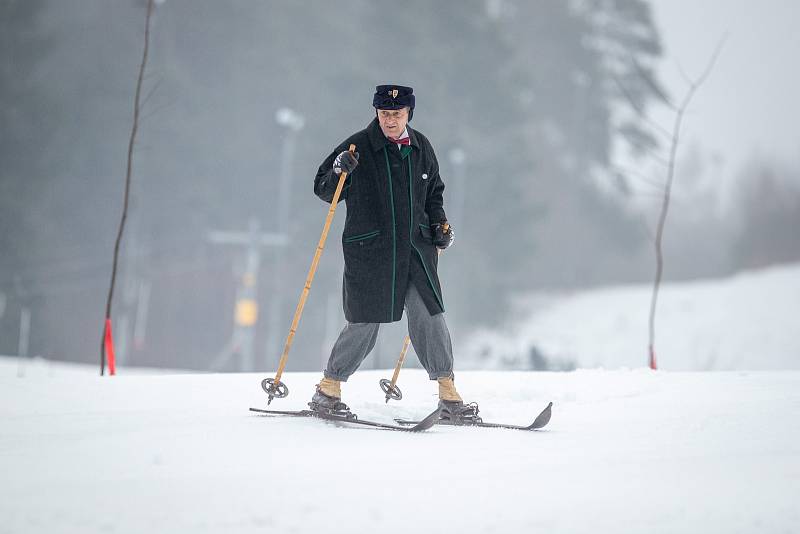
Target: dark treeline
[521, 100]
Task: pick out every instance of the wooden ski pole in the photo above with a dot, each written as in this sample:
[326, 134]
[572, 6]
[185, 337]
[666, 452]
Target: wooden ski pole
[273, 386]
[390, 386]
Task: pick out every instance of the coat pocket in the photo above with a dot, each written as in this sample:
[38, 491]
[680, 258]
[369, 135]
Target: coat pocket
[360, 237]
[425, 231]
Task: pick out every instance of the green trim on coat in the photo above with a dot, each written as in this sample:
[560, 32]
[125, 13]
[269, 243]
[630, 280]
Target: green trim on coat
[368, 235]
[411, 230]
[394, 233]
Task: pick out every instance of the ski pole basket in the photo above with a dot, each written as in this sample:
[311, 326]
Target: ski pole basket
[391, 391]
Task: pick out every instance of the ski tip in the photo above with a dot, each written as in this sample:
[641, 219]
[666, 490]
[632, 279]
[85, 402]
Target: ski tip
[543, 418]
[426, 423]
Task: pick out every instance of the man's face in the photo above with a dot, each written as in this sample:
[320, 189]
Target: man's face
[393, 121]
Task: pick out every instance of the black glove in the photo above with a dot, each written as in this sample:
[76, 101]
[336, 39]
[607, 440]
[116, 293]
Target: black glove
[443, 235]
[346, 161]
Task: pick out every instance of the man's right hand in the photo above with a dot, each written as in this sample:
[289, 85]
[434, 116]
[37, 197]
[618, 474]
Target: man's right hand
[346, 161]
[443, 235]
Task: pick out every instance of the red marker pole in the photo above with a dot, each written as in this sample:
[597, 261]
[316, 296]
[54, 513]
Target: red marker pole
[112, 364]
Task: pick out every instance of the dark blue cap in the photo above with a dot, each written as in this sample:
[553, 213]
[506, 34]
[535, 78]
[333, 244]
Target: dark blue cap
[394, 97]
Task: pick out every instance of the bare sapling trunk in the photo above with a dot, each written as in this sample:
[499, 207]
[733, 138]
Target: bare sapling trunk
[131, 143]
[680, 112]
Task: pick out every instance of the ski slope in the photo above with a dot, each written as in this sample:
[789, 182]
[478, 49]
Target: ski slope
[748, 321]
[626, 452]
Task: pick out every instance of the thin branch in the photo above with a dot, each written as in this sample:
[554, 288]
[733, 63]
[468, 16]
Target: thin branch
[712, 62]
[156, 111]
[131, 143]
[152, 91]
[683, 74]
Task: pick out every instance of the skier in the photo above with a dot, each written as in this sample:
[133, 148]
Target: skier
[395, 222]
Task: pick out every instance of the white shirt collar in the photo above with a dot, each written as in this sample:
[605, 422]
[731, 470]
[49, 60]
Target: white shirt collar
[404, 134]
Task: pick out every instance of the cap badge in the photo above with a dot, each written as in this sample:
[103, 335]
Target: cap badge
[394, 93]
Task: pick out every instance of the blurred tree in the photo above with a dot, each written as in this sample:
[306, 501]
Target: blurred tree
[20, 58]
[769, 207]
[23, 46]
[534, 90]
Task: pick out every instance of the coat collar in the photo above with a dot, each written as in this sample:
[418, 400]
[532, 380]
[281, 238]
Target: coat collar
[377, 140]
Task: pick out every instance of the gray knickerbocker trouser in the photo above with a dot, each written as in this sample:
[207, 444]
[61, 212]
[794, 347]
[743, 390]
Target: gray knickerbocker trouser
[429, 335]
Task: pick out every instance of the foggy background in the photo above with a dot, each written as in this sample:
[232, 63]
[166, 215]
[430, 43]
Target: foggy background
[552, 177]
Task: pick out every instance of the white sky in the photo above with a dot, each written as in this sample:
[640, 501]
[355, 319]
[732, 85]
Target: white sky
[750, 105]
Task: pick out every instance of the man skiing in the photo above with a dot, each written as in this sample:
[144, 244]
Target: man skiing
[394, 225]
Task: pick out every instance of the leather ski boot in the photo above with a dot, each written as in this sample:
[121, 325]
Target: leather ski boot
[452, 407]
[328, 398]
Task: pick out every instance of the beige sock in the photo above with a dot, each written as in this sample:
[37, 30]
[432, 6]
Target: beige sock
[447, 390]
[331, 387]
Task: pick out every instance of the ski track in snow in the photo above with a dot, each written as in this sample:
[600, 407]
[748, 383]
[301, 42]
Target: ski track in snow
[626, 451]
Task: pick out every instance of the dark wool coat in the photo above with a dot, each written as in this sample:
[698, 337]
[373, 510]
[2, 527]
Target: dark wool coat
[392, 198]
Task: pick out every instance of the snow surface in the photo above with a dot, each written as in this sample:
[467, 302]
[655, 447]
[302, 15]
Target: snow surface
[746, 322]
[626, 451]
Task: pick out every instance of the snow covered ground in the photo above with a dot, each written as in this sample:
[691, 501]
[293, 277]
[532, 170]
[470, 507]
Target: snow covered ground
[745, 322]
[626, 452]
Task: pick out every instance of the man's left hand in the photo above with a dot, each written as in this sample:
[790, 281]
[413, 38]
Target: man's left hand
[443, 235]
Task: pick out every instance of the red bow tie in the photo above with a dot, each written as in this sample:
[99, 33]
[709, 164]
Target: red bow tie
[403, 141]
